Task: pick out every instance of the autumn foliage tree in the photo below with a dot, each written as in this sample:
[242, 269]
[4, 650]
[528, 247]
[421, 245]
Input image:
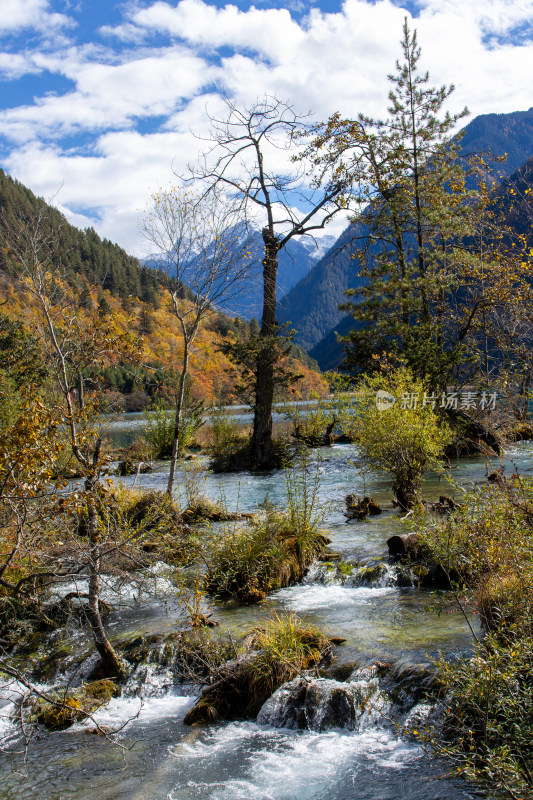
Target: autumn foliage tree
[71, 344]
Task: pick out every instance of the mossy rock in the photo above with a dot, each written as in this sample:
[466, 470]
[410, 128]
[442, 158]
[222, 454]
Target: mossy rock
[523, 431]
[372, 573]
[139, 649]
[49, 665]
[75, 706]
[345, 568]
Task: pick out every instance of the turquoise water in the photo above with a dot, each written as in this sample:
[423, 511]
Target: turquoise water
[166, 760]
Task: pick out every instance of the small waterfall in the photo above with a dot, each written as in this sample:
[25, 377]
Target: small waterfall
[321, 704]
[321, 573]
[374, 697]
[382, 574]
[377, 573]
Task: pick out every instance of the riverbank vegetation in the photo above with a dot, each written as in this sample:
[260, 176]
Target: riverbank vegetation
[486, 698]
[276, 547]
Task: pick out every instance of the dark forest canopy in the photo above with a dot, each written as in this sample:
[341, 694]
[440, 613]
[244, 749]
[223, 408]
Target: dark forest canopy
[83, 254]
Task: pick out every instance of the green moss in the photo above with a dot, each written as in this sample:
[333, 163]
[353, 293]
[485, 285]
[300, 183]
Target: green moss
[75, 706]
[345, 568]
[420, 571]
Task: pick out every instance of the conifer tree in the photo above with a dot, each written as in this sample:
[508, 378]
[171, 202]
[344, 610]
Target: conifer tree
[409, 192]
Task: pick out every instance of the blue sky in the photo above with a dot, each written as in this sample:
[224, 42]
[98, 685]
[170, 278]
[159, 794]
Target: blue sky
[99, 101]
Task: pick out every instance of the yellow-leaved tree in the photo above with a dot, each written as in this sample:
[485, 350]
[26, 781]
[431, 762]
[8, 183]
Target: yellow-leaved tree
[396, 423]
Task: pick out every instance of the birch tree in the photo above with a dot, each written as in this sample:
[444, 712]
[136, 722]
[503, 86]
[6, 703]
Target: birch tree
[198, 242]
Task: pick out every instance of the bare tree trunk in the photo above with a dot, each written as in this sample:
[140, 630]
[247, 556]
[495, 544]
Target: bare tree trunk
[262, 450]
[113, 665]
[177, 423]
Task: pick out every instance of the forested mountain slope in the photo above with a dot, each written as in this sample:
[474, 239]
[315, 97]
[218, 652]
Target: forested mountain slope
[101, 282]
[312, 305]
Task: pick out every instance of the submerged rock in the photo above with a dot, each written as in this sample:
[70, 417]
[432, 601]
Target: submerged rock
[360, 509]
[415, 557]
[128, 467]
[408, 546]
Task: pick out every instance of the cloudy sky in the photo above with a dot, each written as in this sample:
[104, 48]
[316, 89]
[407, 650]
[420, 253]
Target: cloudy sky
[100, 100]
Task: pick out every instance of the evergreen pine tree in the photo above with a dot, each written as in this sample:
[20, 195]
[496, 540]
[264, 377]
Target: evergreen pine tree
[407, 180]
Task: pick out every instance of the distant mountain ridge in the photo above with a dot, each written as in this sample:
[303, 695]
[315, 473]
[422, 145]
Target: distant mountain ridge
[312, 305]
[295, 260]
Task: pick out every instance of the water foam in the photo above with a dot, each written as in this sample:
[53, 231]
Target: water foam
[308, 597]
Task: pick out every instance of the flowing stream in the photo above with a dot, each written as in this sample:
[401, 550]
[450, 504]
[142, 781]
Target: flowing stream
[362, 757]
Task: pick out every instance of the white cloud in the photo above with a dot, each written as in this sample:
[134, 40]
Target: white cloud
[14, 65]
[177, 61]
[21, 14]
[116, 180]
[109, 95]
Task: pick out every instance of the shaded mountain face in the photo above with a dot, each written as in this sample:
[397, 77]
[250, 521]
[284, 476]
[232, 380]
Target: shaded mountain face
[84, 255]
[312, 305]
[295, 260]
[294, 263]
[501, 133]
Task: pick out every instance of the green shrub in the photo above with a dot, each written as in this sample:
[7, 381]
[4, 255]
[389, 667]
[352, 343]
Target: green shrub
[402, 440]
[488, 699]
[160, 425]
[487, 707]
[159, 433]
[315, 424]
[228, 444]
[488, 542]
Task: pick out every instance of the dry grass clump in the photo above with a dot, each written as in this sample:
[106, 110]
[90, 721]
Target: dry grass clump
[274, 654]
[156, 525]
[284, 648]
[266, 554]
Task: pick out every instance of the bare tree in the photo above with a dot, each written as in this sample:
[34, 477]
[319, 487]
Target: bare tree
[200, 245]
[246, 155]
[71, 343]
